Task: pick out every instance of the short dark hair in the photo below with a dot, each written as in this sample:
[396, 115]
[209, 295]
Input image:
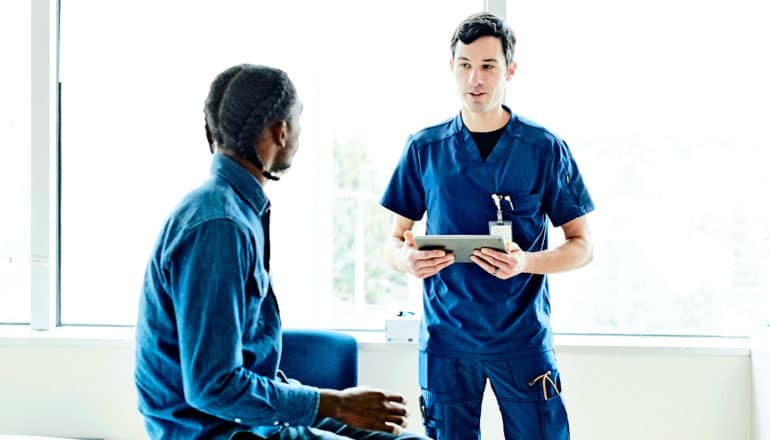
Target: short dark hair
[244, 100]
[485, 24]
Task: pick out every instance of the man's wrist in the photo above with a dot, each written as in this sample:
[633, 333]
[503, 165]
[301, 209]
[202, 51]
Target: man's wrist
[526, 262]
[329, 404]
[399, 261]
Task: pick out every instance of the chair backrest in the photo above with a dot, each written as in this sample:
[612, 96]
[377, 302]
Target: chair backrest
[321, 358]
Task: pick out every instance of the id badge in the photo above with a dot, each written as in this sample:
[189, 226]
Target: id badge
[503, 229]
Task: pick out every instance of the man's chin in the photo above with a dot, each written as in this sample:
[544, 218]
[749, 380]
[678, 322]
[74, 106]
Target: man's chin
[476, 107]
[279, 170]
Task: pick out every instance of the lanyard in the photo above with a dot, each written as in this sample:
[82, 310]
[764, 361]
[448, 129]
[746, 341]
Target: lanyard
[497, 198]
[500, 227]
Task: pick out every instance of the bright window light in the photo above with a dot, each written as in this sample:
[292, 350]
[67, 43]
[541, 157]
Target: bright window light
[133, 142]
[664, 105]
[15, 171]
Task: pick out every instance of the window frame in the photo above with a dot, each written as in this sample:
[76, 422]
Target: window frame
[45, 169]
[46, 166]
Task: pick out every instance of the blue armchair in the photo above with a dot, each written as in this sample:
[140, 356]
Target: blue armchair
[321, 358]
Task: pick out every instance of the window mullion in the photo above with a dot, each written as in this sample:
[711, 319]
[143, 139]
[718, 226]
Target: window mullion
[44, 163]
[497, 7]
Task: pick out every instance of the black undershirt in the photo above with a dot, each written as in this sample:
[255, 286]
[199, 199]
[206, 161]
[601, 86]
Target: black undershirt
[486, 141]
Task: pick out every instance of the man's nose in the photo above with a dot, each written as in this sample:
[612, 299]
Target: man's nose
[475, 77]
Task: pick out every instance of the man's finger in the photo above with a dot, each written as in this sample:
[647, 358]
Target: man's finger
[493, 257]
[484, 264]
[396, 409]
[393, 428]
[390, 397]
[397, 420]
[422, 266]
[436, 262]
[425, 271]
[428, 255]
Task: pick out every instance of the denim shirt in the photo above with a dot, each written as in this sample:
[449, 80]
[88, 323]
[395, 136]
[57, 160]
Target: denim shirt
[208, 336]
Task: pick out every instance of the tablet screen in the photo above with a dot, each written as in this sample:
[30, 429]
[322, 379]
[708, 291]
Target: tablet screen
[460, 245]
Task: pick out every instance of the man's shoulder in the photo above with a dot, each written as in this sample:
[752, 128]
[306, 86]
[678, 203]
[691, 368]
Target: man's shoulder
[435, 133]
[211, 201]
[209, 196]
[532, 132]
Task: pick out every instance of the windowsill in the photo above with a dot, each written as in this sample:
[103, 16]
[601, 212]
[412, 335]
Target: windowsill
[67, 336]
[113, 337]
[589, 344]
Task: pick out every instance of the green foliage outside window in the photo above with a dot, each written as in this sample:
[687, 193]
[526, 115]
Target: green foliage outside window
[360, 226]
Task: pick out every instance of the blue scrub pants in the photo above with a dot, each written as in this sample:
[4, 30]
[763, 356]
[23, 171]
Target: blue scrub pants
[527, 390]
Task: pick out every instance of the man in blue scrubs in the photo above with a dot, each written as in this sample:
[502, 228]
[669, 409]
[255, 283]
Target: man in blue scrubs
[208, 338]
[488, 320]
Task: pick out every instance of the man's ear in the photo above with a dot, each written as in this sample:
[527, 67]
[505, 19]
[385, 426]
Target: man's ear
[511, 69]
[280, 133]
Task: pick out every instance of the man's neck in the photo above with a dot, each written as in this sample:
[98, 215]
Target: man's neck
[478, 122]
[253, 170]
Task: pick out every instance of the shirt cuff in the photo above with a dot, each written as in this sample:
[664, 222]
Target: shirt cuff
[300, 404]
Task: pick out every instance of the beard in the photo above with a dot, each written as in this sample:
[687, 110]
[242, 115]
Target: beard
[279, 167]
[275, 171]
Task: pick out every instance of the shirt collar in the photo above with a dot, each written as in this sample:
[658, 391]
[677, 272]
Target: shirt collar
[459, 126]
[242, 181]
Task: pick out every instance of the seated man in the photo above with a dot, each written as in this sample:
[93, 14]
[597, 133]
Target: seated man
[208, 338]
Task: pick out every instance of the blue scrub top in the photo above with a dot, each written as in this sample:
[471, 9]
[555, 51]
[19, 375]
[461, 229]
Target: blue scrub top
[466, 311]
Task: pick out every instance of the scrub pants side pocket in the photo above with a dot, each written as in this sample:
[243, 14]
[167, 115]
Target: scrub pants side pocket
[438, 380]
[538, 383]
[553, 419]
[554, 424]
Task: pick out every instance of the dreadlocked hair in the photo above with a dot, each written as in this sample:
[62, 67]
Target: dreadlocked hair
[243, 101]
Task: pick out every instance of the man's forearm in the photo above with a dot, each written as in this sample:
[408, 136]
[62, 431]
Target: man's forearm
[572, 254]
[392, 251]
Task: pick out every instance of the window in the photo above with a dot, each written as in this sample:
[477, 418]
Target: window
[15, 166]
[133, 141]
[664, 105]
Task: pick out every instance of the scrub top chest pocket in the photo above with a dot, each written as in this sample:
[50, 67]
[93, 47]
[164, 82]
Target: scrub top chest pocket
[524, 218]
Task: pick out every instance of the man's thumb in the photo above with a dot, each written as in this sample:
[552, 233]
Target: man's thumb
[409, 238]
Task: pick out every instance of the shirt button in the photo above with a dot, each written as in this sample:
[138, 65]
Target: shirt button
[237, 420]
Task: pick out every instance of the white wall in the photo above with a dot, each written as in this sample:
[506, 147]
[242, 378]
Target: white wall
[760, 361]
[615, 392]
[48, 388]
[84, 388]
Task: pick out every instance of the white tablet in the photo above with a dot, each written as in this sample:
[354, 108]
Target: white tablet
[460, 245]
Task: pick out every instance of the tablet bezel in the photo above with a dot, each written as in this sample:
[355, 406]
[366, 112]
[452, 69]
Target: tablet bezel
[460, 245]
